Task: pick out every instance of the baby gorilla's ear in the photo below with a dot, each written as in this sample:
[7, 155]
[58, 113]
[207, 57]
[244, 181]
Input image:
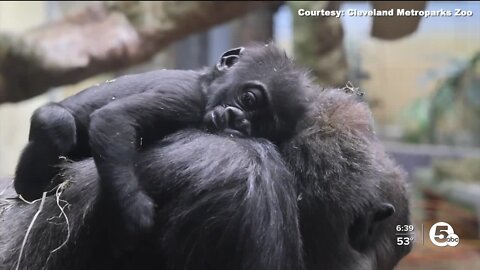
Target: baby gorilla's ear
[229, 58]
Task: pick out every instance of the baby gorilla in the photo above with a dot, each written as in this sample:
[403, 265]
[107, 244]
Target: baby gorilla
[251, 92]
[137, 107]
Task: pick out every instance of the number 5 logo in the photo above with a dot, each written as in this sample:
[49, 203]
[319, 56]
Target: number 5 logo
[442, 234]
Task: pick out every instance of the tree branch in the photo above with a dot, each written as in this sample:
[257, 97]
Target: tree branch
[102, 38]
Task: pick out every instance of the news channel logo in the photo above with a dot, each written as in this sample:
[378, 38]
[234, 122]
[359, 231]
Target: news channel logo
[441, 234]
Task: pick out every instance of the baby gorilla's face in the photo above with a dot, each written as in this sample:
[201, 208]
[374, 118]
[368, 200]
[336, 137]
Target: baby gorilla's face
[240, 111]
[261, 95]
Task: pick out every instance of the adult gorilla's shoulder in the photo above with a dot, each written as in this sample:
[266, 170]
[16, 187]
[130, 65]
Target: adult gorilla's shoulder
[222, 203]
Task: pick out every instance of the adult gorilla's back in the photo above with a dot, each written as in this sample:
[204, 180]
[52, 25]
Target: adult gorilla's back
[222, 203]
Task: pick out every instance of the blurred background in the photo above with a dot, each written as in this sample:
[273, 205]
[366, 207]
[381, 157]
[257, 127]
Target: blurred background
[420, 75]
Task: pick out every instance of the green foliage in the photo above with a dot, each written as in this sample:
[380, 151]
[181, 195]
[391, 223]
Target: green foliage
[450, 115]
[415, 120]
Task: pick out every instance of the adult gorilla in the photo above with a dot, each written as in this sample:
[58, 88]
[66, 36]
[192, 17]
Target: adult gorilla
[222, 203]
[231, 203]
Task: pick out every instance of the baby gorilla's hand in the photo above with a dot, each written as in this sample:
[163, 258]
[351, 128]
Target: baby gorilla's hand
[135, 224]
[138, 213]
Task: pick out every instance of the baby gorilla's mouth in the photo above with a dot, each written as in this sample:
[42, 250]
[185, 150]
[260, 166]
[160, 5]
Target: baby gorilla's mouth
[228, 119]
[234, 132]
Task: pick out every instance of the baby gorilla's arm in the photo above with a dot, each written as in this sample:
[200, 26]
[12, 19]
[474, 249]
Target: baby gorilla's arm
[115, 131]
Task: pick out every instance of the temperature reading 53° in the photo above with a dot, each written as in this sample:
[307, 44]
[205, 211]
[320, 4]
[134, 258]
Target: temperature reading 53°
[404, 240]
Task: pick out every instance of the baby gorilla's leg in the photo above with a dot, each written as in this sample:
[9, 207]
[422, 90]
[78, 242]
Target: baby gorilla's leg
[52, 134]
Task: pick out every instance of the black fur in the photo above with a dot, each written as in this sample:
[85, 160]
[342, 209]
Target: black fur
[282, 87]
[116, 119]
[345, 182]
[231, 203]
[327, 139]
[233, 208]
[64, 127]
[111, 122]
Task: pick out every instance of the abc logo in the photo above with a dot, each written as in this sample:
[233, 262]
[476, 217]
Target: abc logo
[442, 234]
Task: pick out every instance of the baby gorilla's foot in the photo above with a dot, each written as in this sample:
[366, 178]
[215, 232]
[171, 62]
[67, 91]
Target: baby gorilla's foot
[52, 134]
[34, 171]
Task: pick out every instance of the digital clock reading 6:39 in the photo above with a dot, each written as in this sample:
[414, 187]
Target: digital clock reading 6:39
[405, 228]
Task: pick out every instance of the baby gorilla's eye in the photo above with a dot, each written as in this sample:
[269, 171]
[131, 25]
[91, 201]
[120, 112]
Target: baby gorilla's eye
[251, 98]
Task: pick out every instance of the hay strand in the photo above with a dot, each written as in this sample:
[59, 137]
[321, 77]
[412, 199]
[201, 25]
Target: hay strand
[40, 209]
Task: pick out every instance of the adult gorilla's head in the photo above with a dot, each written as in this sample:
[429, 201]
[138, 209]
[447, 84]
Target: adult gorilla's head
[352, 195]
